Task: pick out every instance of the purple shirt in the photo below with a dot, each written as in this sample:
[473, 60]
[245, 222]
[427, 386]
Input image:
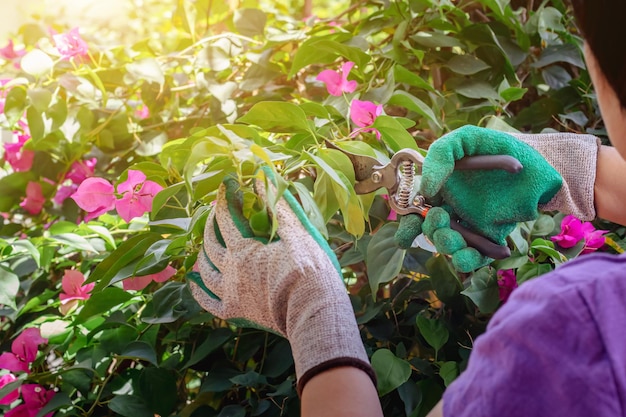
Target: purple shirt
[556, 348]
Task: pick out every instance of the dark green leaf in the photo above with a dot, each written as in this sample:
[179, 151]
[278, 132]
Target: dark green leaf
[140, 350]
[394, 134]
[384, 258]
[232, 411]
[531, 270]
[9, 286]
[448, 372]
[102, 302]
[433, 331]
[130, 406]
[214, 340]
[483, 290]
[391, 371]
[466, 64]
[158, 388]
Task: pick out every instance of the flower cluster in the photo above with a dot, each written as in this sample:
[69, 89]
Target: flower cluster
[35, 397]
[23, 351]
[362, 113]
[70, 44]
[507, 282]
[79, 172]
[134, 196]
[141, 282]
[574, 230]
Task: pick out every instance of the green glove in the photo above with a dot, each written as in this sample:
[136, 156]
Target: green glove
[291, 285]
[489, 202]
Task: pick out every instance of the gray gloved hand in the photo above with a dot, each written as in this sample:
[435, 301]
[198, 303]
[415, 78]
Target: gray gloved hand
[292, 285]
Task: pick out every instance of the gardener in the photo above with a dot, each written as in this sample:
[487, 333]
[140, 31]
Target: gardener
[556, 348]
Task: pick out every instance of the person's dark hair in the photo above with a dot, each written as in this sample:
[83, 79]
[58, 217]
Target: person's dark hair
[603, 24]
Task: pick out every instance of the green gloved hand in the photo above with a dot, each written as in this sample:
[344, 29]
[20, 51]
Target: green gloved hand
[292, 285]
[489, 202]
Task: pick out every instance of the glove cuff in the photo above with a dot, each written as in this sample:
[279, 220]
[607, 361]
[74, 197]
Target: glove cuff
[575, 157]
[326, 336]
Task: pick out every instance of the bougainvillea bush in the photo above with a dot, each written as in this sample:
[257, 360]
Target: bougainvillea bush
[114, 145]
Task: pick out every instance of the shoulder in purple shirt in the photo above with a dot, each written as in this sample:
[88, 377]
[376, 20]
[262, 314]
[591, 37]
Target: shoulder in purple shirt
[556, 348]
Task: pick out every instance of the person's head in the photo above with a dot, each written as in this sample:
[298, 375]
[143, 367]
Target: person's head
[603, 25]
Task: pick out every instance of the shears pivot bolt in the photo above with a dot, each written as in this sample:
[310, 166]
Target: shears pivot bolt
[377, 177]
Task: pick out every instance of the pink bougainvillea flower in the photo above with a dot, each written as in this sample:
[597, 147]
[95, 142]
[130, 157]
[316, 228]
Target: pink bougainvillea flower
[81, 170]
[364, 113]
[11, 396]
[137, 195]
[506, 283]
[393, 216]
[20, 159]
[141, 282]
[594, 238]
[9, 53]
[571, 232]
[35, 398]
[72, 284]
[23, 351]
[70, 44]
[34, 200]
[337, 81]
[63, 193]
[142, 112]
[74, 290]
[96, 196]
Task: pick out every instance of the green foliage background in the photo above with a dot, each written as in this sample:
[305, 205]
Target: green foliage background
[230, 85]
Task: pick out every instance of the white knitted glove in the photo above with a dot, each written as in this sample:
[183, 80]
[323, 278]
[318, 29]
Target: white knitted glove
[292, 285]
[575, 157]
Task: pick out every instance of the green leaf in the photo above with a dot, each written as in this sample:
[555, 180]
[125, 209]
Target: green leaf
[403, 75]
[436, 40]
[328, 170]
[466, 64]
[147, 69]
[232, 410]
[402, 98]
[433, 331]
[313, 212]
[483, 290]
[384, 258]
[249, 22]
[15, 104]
[37, 63]
[547, 247]
[544, 225]
[531, 270]
[129, 251]
[317, 50]
[102, 302]
[40, 98]
[277, 117]
[60, 400]
[130, 406]
[74, 241]
[157, 387]
[474, 89]
[513, 93]
[9, 286]
[391, 371]
[448, 372]
[394, 134]
[214, 340]
[140, 350]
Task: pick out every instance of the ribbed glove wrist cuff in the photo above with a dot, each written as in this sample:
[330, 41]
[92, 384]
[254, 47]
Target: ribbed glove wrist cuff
[575, 157]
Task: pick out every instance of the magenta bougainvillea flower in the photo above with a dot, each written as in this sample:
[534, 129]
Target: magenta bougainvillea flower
[11, 396]
[393, 216]
[137, 195]
[73, 289]
[35, 398]
[364, 113]
[70, 44]
[23, 351]
[81, 170]
[9, 53]
[20, 159]
[141, 282]
[142, 112]
[507, 282]
[337, 82]
[594, 238]
[573, 230]
[34, 200]
[96, 196]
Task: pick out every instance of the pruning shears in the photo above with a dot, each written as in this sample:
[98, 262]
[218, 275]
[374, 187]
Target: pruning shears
[398, 175]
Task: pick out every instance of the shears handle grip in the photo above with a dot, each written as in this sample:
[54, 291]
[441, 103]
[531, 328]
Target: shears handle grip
[505, 162]
[481, 243]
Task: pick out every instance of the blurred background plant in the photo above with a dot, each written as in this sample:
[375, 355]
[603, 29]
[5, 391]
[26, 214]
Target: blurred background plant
[115, 142]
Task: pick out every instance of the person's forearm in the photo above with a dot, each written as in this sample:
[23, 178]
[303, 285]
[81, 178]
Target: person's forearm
[609, 188]
[341, 392]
